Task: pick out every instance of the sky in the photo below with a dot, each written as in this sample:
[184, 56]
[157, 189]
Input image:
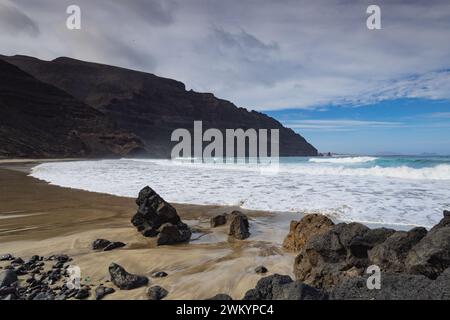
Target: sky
[313, 65]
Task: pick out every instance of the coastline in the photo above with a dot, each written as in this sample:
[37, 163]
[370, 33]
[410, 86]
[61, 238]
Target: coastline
[39, 218]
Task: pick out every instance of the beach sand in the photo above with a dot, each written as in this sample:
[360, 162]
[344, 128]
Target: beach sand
[38, 218]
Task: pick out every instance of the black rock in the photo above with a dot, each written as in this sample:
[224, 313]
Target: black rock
[7, 257]
[17, 261]
[219, 220]
[100, 244]
[261, 269]
[7, 278]
[153, 212]
[157, 293]
[82, 294]
[102, 291]
[431, 256]
[279, 287]
[239, 226]
[114, 245]
[220, 296]
[124, 280]
[390, 255]
[159, 274]
[172, 234]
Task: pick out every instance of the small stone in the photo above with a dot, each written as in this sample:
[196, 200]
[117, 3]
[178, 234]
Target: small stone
[102, 291]
[157, 293]
[159, 274]
[18, 261]
[219, 220]
[100, 244]
[114, 245]
[239, 226]
[124, 280]
[261, 270]
[82, 294]
[7, 257]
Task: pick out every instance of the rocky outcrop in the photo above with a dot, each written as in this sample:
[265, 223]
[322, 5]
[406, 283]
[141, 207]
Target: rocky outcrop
[431, 256]
[338, 259]
[301, 231]
[40, 120]
[150, 106]
[124, 280]
[282, 287]
[395, 286]
[239, 225]
[157, 218]
[390, 255]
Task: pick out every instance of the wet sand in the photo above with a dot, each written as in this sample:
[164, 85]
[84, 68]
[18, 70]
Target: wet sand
[38, 218]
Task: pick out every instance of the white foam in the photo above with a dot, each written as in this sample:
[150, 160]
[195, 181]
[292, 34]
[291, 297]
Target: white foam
[343, 160]
[403, 195]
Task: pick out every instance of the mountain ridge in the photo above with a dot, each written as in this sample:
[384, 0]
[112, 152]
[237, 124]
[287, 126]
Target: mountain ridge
[151, 106]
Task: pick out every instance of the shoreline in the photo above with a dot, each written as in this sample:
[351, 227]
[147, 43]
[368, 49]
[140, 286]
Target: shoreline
[39, 218]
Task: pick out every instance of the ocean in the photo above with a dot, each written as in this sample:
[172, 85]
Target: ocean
[395, 190]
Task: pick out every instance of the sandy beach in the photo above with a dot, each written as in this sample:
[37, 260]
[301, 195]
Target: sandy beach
[38, 218]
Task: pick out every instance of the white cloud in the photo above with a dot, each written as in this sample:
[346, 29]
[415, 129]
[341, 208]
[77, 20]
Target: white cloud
[260, 54]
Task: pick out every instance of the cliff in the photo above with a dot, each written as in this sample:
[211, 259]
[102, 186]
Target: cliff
[150, 106]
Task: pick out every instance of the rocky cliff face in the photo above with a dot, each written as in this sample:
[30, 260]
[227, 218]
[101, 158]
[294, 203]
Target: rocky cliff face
[40, 120]
[150, 106]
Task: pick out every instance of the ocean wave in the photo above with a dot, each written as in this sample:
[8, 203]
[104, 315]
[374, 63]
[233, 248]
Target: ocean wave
[343, 160]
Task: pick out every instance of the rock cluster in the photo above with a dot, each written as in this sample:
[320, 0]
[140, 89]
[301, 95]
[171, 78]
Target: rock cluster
[157, 218]
[239, 226]
[39, 278]
[338, 258]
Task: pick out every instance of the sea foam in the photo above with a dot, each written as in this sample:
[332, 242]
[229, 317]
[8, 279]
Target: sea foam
[392, 195]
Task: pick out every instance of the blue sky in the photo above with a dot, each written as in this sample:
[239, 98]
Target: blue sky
[406, 126]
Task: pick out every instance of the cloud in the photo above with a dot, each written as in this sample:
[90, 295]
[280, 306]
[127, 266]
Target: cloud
[16, 22]
[260, 54]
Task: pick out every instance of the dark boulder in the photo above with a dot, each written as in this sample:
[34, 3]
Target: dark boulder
[326, 259]
[281, 287]
[218, 220]
[172, 234]
[390, 255]
[239, 226]
[156, 293]
[124, 280]
[301, 231]
[155, 214]
[431, 256]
